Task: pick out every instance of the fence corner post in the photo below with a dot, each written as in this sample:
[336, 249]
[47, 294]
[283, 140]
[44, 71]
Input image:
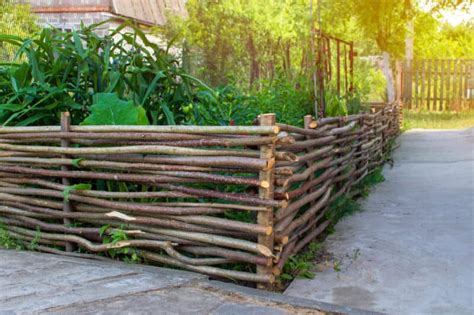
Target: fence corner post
[265, 218]
[65, 127]
[308, 120]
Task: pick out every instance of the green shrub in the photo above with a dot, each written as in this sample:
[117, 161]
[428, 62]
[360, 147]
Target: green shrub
[290, 101]
[62, 71]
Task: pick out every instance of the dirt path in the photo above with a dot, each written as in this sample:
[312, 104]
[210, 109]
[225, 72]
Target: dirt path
[412, 250]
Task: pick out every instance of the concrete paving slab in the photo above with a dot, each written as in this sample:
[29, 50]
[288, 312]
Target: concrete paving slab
[36, 283]
[411, 250]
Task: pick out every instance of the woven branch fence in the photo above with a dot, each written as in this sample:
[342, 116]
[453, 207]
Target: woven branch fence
[231, 202]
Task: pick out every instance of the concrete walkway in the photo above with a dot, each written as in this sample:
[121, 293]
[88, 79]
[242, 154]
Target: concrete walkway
[412, 250]
[35, 283]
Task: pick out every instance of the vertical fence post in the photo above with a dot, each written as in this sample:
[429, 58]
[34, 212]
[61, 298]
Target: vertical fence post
[435, 74]
[65, 127]
[265, 218]
[308, 119]
[441, 86]
[448, 84]
[461, 79]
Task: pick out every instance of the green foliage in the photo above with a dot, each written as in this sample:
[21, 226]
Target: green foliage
[15, 19]
[115, 235]
[373, 178]
[68, 189]
[63, 71]
[335, 105]
[242, 41]
[35, 240]
[383, 21]
[108, 109]
[437, 40]
[6, 241]
[369, 82]
[342, 207]
[302, 264]
[346, 205]
[229, 105]
[77, 162]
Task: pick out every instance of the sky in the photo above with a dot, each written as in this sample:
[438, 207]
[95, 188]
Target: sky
[453, 17]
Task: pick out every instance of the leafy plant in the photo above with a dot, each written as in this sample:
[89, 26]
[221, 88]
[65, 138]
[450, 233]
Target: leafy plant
[115, 235]
[108, 109]
[59, 71]
[68, 189]
[8, 242]
[373, 178]
[302, 264]
[35, 240]
[335, 105]
[16, 18]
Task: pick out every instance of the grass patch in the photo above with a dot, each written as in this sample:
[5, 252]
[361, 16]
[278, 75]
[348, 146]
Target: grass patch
[8, 242]
[435, 120]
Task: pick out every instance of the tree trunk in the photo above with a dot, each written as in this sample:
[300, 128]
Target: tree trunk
[408, 73]
[388, 73]
[254, 65]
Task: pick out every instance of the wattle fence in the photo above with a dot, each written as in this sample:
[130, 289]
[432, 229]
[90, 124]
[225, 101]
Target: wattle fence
[231, 202]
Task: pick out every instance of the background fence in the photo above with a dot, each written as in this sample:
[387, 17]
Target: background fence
[232, 202]
[438, 85]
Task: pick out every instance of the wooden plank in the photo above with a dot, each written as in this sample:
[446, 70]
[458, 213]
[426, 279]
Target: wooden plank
[448, 79]
[458, 84]
[465, 83]
[455, 99]
[461, 81]
[435, 85]
[428, 84]
[441, 85]
[422, 92]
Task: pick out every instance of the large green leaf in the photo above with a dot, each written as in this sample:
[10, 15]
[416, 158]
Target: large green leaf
[108, 109]
[68, 189]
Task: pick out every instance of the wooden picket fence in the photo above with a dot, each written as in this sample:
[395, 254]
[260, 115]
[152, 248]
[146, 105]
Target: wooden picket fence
[231, 202]
[438, 85]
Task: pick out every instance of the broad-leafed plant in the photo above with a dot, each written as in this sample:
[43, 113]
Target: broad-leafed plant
[65, 71]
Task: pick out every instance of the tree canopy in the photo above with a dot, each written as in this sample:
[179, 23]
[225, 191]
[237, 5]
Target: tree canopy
[16, 19]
